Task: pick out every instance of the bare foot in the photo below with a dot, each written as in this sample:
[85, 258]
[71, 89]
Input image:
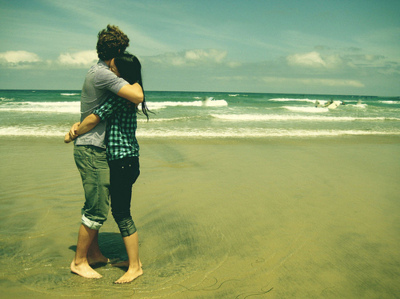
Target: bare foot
[84, 270]
[124, 264]
[101, 259]
[130, 275]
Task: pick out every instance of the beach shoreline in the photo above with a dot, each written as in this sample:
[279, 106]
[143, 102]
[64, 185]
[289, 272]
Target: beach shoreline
[301, 218]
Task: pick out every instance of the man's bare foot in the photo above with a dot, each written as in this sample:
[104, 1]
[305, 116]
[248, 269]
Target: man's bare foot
[130, 275]
[84, 270]
[101, 259]
[121, 264]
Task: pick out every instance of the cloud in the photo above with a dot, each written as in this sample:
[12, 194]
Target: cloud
[83, 58]
[315, 81]
[18, 58]
[202, 55]
[363, 59]
[193, 57]
[24, 59]
[314, 60]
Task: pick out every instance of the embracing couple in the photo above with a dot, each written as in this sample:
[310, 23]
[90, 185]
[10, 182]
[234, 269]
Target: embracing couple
[106, 151]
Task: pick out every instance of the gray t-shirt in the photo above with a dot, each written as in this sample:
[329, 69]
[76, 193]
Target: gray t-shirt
[100, 83]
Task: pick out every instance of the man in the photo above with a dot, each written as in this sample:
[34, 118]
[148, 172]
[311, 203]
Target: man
[89, 150]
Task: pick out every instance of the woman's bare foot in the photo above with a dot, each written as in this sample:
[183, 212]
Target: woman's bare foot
[130, 275]
[84, 270]
[124, 264]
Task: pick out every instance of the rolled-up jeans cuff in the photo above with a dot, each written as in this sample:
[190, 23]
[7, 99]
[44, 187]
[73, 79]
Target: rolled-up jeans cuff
[126, 227]
[90, 223]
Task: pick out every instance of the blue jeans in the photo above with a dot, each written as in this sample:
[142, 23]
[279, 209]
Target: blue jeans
[123, 174]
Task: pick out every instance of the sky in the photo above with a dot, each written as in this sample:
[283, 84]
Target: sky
[344, 47]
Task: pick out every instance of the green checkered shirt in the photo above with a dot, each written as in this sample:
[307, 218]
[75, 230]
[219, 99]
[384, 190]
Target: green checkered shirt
[121, 128]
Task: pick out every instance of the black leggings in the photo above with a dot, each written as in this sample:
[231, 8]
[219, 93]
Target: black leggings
[123, 174]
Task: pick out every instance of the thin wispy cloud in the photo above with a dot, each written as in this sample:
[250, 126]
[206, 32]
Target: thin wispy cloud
[190, 58]
[315, 81]
[314, 60]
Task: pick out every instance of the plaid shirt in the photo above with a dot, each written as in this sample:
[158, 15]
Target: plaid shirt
[121, 128]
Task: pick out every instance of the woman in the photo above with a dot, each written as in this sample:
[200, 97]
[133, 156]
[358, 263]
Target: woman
[122, 156]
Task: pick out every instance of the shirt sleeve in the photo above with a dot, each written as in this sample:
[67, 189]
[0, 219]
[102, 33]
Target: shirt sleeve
[106, 79]
[109, 107]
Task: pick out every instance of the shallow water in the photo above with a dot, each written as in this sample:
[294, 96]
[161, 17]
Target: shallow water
[277, 218]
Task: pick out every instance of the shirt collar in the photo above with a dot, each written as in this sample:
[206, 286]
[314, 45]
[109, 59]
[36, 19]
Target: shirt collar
[103, 63]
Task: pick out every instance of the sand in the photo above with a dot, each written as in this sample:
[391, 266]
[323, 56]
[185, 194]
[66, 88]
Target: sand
[233, 218]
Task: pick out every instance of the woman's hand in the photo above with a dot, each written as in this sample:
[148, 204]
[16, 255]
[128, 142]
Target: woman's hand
[67, 138]
[72, 134]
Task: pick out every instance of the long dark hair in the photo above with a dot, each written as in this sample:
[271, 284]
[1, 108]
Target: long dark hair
[130, 69]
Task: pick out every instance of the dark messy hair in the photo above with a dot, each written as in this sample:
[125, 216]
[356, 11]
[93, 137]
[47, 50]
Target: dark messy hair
[111, 42]
[130, 69]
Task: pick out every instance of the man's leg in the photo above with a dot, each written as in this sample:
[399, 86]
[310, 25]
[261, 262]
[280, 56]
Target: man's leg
[93, 166]
[80, 264]
[95, 256]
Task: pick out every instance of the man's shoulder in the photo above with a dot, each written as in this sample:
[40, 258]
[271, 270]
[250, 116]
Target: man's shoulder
[103, 73]
[100, 67]
[104, 78]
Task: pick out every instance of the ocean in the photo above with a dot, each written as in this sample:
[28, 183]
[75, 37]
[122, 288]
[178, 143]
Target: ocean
[211, 114]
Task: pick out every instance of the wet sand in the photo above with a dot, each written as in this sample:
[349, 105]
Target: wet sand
[244, 218]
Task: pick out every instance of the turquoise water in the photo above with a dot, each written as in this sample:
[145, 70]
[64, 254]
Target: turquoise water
[211, 114]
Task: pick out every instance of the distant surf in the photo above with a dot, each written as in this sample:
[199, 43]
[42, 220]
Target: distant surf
[206, 114]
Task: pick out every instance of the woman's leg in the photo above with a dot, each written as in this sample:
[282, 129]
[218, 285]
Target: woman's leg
[123, 173]
[135, 267]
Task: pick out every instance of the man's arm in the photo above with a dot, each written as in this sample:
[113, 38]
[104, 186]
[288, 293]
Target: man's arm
[133, 93]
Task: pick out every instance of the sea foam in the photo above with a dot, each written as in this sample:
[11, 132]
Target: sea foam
[46, 107]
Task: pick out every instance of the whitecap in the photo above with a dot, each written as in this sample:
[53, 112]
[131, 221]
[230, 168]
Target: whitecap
[47, 107]
[307, 109]
[284, 117]
[209, 102]
[389, 102]
[293, 100]
[256, 133]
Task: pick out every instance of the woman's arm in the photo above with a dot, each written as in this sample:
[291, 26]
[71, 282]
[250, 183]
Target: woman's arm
[85, 126]
[71, 135]
[88, 123]
[110, 106]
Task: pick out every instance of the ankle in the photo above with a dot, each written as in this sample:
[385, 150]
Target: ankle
[79, 261]
[135, 267]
